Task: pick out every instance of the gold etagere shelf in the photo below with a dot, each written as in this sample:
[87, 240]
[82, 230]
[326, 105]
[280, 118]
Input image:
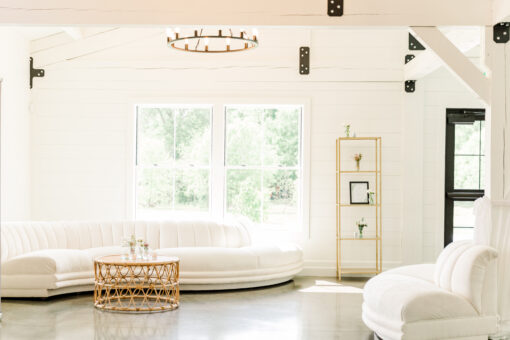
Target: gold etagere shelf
[377, 240]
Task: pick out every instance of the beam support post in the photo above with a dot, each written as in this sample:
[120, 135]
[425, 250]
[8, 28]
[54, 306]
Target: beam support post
[497, 149]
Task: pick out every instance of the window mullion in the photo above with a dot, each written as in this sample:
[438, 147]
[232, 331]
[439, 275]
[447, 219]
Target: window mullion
[262, 168]
[176, 112]
[217, 186]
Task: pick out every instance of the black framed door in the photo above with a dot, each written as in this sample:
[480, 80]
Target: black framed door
[464, 170]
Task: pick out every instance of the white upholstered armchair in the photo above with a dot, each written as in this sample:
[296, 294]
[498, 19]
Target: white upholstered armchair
[456, 298]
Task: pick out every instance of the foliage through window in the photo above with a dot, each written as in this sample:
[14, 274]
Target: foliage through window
[173, 159]
[263, 162]
[261, 177]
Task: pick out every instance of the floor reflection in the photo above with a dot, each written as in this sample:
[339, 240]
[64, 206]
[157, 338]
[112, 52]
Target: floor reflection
[306, 308]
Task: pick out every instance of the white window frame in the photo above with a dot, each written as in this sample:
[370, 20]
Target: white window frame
[218, 169]
[173, 167]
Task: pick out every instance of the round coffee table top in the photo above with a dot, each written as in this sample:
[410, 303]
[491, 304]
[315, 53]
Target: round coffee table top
[119, 260]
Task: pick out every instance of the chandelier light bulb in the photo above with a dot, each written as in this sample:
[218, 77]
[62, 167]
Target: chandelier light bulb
[255, 33]
[169, 32]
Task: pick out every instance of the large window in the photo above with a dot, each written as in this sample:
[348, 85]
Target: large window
[172, 159]
[251, 156]
[464, 177]
[263, 163]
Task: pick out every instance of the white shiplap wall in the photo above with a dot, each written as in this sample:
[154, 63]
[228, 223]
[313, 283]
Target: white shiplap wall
[81, 133]
[15, 126]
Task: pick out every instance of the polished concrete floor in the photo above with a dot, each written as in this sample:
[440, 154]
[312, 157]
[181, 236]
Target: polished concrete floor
[306, 308]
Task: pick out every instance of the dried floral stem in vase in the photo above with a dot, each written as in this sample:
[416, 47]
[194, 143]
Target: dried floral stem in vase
[357, 158]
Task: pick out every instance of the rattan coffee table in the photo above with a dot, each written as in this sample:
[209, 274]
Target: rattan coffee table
[136, 285]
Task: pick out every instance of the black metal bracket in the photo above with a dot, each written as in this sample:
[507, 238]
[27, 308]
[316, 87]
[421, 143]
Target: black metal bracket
[304, 60]
[335, 8]
[34, 72]
[502, 33]
[410, 86]
[409, 57]
[414, 44]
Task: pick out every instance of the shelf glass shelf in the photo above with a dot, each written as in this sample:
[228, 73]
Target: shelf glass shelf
[359, 172]
[359, 239]
[359, 205]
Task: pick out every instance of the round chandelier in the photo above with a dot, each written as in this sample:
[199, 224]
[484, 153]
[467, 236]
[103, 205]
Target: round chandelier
[212, 41]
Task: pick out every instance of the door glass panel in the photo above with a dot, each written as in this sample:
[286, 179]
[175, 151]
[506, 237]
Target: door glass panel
[467, 172]
[463, 220]
[467, 139]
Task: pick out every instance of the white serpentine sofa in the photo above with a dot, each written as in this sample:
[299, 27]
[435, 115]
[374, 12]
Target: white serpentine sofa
[456, 298]
[41, 259]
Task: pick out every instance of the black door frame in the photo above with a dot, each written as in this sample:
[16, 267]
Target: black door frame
[453, 117]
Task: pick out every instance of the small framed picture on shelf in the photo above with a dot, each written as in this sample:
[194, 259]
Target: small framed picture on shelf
[359, 192]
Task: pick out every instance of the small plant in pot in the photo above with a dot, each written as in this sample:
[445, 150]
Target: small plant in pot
[361, 225]
[371, 195]
[347, 128]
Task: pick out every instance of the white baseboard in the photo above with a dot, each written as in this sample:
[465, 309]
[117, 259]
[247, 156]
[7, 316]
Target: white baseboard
[328, 268]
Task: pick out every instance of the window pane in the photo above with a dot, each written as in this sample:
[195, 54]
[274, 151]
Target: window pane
[482, 139]
[193, 136]
[192, 190]
[243, 193]
[155, 136]
[463, 220]
[460, 234]
[466, 173]
[281, 136]
[281, 197]
[154, 189]
[482, 172]
[173, 153]
[244, 135]
[467, 138]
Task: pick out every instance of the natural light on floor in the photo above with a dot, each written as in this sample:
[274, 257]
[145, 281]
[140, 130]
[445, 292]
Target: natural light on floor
[322, 286]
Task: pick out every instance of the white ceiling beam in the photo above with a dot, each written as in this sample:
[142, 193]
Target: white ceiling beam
[428, 61]
[91, 44]
[245, 13]
[501, 11]
[74, 32]
[455, 61]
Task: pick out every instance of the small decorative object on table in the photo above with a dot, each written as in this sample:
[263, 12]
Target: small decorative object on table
[146, 251]
[125, 244]
[361, 224]
[371, 195]
[357, 158]
[347, 128]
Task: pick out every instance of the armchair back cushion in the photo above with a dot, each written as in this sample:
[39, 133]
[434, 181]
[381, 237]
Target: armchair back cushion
[21, 238]
[468, 270]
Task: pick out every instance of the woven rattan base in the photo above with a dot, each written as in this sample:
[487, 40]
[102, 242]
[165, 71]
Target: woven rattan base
[136, 286]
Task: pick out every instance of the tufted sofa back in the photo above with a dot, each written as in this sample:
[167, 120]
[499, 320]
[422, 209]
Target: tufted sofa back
[23, 237]
[468, 269]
